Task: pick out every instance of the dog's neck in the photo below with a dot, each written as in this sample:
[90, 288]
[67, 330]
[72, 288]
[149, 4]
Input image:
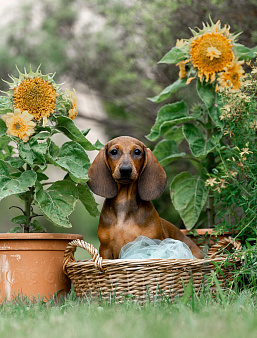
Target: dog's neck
[128, 198]
[127, 192]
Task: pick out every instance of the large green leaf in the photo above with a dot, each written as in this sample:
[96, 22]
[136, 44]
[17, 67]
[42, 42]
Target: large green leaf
[168, 116]
[39, 149]
[5, 105]
[15, 162]
[175, 134]
[214, 114]
[87, 199]
[67, 126]
[57, 202]
[188, 195]
[3, 128]
[11, 186]
[73, 158]
[6, 150]
[33, 152]
[244, 53]
[166, 93]
[175, 55]
[206, 92]
[199, 146]
[208, 95]
[166, 151]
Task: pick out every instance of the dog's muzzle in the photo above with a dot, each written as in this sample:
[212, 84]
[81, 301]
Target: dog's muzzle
[125, 171]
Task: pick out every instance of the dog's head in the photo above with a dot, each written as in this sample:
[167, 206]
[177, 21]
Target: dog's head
[122, 161]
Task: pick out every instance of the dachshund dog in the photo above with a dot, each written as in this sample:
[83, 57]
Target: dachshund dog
[129, 176]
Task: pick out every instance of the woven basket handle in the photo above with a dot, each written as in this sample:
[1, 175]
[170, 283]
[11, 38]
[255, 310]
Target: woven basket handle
[77, 243]
[225, 243]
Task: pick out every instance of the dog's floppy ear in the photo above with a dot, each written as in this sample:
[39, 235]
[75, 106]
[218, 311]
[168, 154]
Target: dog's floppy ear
[153, 179]
[100, 177]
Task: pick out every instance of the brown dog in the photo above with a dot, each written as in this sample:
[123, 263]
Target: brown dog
[129, 176]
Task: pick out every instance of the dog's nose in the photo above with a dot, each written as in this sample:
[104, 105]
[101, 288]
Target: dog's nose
[125, 170]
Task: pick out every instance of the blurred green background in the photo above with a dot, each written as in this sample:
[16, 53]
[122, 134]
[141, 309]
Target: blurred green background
[108, 50]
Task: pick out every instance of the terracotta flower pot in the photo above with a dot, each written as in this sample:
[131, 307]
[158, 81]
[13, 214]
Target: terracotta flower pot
[205, 237]
[31, 265]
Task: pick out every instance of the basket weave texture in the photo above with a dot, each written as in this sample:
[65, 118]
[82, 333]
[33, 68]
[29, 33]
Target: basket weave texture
[147, 279]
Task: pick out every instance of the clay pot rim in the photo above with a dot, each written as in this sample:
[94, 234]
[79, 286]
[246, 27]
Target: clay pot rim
[40, 235]
[203, 231]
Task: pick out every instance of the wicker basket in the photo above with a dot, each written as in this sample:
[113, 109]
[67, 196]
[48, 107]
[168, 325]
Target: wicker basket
[118, 279]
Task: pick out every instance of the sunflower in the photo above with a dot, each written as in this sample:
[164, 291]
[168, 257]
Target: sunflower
[231, 76]
[210, 53]
[182, 69]
[19, 124]
[35, 95]
[73, 112]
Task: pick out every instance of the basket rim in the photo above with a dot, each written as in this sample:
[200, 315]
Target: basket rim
[150, 261]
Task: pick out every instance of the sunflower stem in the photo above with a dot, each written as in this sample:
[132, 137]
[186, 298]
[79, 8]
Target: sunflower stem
[28, 208]
[210, 200]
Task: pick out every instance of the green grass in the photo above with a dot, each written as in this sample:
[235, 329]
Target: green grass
[232, 315]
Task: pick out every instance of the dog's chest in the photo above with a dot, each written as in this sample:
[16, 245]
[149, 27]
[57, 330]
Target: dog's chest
[125, 221]
[125, 216]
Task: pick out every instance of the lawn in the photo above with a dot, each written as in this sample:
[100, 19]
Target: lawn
[232, 315]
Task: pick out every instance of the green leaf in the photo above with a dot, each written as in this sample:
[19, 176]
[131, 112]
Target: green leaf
[166, 151]
[73, 158]
[37, 227]
[15, 162]
[168, 116]
[41, 177]
[21, 219]
[166, 93]
[57, 202]
[67, 126]
[206, 92]
[214, 114]
[16, 230]
[5, 149]
[175, 134]
[4, 140]
[244, 53]
[5, 105]
[3, 128]
[39, 149]
[11, 186]
[199, 146]
[85, 131]
[188, 195]
[175, 55]
[98, 145]
[41, 135]
[87, 199]
[53, 149]
[33, 152]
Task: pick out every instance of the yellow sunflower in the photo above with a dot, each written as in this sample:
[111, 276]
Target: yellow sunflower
[35, 95]
[211, 52]
[231, 76]
[19, 124]
[182, 69]
[73, 112]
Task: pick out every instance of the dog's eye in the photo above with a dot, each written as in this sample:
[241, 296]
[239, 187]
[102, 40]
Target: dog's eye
[137, 152]
[114, 152]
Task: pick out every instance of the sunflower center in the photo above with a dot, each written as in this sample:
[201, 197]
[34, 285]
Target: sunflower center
[35, 95]
[235, 77]
[213, 52]
[17, 126]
